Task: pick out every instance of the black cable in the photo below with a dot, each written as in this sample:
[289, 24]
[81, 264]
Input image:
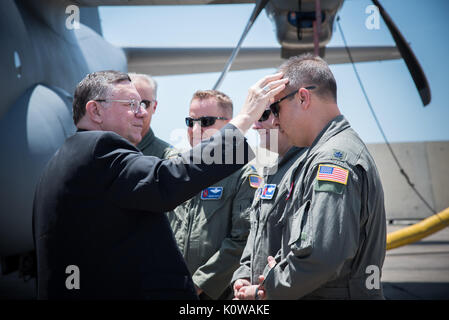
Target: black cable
[298, 21]
[378, 123]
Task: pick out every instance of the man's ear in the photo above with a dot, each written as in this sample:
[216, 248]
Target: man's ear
[304, 98]
[94, 111]
[154, 108]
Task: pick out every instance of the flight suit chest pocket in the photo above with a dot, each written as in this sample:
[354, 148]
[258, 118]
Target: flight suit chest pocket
[275, 214]
[300, 231]
[274, 217]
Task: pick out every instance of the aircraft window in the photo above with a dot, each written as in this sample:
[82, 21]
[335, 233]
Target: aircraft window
[18, 64]
[305, 18]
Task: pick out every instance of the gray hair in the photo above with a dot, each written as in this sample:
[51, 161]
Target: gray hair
[147, 78]
[96, 85]
[306, 70]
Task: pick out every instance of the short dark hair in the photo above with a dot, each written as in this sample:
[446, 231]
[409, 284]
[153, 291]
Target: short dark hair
[96, 85]
[222, 99]
[308, 69]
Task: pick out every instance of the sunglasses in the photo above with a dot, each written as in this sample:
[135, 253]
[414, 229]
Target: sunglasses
[205, 121]
[274, 107]
[265, 115]
[148, 103]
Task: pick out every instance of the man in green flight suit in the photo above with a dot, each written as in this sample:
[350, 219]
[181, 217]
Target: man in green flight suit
[211, 228]
[265, 236]
[332, 212]
[150, 145]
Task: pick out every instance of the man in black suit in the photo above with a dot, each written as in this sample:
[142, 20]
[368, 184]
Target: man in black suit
[99, 227]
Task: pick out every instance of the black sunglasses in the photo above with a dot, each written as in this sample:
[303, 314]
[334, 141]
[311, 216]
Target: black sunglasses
[205, 121]
[265, 115]
[148, 103]
[274, 107]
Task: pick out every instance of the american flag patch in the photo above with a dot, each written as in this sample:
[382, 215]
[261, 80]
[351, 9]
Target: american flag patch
[255, 181]
[332, 173]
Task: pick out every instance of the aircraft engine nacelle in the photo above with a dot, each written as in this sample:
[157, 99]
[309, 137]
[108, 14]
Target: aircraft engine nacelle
[42, 61]
[42, 120]
[294, 24]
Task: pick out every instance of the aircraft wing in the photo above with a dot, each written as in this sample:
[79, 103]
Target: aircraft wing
[169, 61]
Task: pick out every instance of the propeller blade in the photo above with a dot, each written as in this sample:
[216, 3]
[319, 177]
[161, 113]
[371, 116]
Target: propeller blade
[257, 9]
[409, 57]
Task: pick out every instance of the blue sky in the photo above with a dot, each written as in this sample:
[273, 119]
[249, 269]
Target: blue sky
[389, 86]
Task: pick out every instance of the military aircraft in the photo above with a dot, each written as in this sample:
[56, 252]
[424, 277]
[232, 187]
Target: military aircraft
[45, 54]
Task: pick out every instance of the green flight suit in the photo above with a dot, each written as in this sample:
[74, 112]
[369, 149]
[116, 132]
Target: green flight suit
[211, 230]
[150, 145]
[265, 236]
[333, 222]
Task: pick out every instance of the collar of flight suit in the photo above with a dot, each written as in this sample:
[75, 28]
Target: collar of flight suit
[293, 151]
[335, 126]
[146, 140]
[289, 154]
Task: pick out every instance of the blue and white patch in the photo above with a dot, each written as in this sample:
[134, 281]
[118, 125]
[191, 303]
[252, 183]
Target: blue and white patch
[268, 191]
[212, 193]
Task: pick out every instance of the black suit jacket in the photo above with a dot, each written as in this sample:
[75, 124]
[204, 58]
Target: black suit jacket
[99, 206]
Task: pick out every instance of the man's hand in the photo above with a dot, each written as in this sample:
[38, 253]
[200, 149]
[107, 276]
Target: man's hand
[250, 292]
[239, 284]
[271, 262]
[243, 290]
[260, 96]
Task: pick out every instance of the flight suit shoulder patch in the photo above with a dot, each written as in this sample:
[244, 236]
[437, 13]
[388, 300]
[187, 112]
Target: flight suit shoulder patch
[255, 180]
[327, 186]
[338, 155]
[331, 178]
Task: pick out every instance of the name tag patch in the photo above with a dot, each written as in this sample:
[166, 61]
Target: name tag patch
[212, 193]
[332, 173]
[268, 191]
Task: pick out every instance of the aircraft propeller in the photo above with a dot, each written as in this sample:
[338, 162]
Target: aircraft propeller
[406, 52]
[257, 10]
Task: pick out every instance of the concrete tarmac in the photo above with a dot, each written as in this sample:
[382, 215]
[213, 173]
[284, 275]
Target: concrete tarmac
[419, 271]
